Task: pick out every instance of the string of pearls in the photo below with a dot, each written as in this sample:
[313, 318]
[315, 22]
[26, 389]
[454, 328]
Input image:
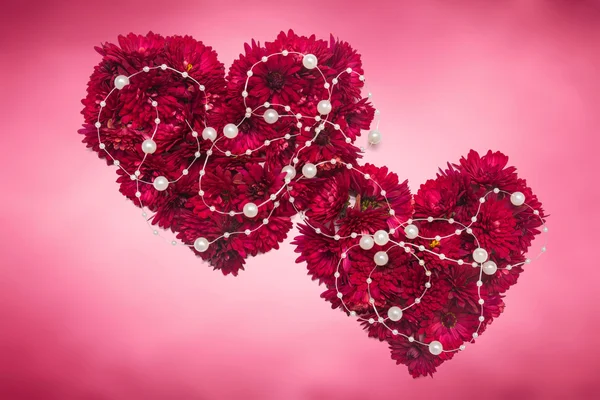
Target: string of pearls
[269, 112]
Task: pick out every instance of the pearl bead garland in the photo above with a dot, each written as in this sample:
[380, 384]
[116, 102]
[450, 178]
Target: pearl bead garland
[366, 242]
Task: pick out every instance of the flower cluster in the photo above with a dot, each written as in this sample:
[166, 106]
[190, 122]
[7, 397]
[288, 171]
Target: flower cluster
[127, 120]
[450, 310]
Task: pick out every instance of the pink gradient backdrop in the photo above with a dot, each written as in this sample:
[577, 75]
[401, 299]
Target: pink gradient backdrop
[92, 306]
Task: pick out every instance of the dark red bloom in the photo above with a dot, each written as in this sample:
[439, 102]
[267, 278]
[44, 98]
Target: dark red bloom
[416, 357]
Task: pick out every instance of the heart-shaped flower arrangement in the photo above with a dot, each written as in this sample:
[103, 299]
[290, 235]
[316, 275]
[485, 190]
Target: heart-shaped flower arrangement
[226, 162]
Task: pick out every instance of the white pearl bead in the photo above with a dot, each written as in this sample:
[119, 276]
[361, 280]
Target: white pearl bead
[271, 116]
[436, 348]
[517, 198]
[160, 183]
[489, 268]
[366, 242]
[480, 255]
[209, 134]
[309, 170]
[381, 258]
[121, 81]
[309, 61]
[230, 131]
[411, 231]
[290, 172]
[395, 313]
[381, 237]
[201, 245]
[324, 107]
[250, 210]
[374, 137]
[149, 146]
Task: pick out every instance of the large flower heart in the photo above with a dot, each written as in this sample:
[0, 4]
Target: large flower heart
[150, 95]
[225, 162]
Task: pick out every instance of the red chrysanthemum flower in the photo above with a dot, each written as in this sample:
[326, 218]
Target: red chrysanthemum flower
[452, 326]
[489, 170]
[416, 357]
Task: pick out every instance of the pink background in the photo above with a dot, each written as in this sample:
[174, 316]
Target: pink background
[92, 306]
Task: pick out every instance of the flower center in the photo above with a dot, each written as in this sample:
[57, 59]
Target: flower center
[257, 190]
[413, 353]
[275, 80]
[368, 203]
[322, 140]
[434, 243]
[449, 320]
